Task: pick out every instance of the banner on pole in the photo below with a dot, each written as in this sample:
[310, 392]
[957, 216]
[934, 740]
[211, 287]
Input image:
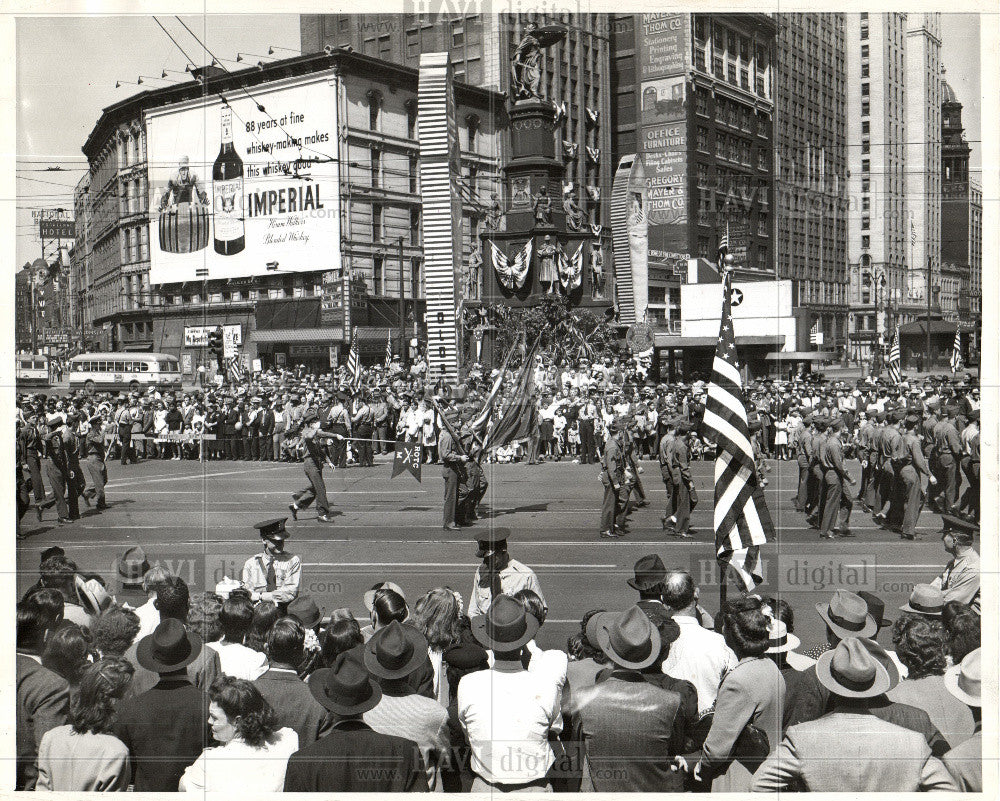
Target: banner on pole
[407, 458]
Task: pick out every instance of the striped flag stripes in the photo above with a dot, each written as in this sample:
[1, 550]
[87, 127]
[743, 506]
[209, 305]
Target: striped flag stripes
[893, 367]
[956, 352]
[354, 362]
[742, 521]
[388, 350]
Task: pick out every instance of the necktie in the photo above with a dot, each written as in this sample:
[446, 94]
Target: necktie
[272, 578]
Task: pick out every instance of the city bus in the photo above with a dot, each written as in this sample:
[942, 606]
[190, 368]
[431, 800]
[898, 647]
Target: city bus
[31, 370]
[117, 371]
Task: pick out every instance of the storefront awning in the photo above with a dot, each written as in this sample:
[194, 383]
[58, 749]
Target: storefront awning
[330, 336]
[663, 340]
[802, 356]
[367, 333]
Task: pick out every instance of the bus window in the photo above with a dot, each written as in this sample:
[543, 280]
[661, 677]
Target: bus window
[119, 367]
[143, 367]
[102, 367]
[130, 367]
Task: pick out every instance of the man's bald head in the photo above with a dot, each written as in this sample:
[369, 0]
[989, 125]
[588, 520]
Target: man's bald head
[678, 591]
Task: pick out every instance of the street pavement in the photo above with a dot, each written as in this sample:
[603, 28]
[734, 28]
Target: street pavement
[197, 519]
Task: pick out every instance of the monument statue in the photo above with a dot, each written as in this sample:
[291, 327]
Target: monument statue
[547, 270]
[494, 215]
[543, 207]
[525, 67]
[474, 276]
[574, 214]
[597, 269]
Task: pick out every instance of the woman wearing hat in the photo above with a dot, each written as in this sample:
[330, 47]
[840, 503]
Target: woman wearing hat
[965, 761]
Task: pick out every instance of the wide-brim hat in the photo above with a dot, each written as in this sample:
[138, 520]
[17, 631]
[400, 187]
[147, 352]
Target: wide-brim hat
[94, 598]
[168, 648]
[629, 638]
[132, 566]
[385, 585]
[850, 671]
[964, 680]
[345, 687]
[847, 615]
[649, 572]
[395, 651]
[506, 626]
[305, 610]
[925, 600]
[779, 639]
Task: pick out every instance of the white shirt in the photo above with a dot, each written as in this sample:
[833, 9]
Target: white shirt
[149, 619]
[513, 578]
[237, 767]
[507, 717]
[701, 657]
[238, 661]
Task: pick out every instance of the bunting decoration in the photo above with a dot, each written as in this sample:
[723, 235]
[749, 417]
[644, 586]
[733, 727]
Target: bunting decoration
[569, 149]
[594, 193]
[593, 117]
[560, 113]
[594, 154]
[522, 262]
[511, 276]
[596, 229]
[571, 269]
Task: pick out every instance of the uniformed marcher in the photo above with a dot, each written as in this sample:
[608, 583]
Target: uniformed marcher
[683, 487]
[57, 473]
[803, 449]
[273, 574]
[363, 424]
[814, 505]
[863, 450]
[948, 450]
[313, 438]
[32, 448]
[669, 428]
[893, 455]
[915, 476]
[339, 422]
[453, 461]
[969, 502]
[75, 484]
[472, 489]
[837, 497]
[94, 463]
[613, 478]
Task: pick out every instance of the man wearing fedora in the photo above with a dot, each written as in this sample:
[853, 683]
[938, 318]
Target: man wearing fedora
[507, 712]
[352, 757]
[499, 574]
[627, 723]
[849, 749]
[273, 574]
[166, 727]
[391, 656]
[965, 761]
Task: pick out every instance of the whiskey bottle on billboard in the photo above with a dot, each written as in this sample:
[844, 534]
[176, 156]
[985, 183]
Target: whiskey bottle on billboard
[227, 189]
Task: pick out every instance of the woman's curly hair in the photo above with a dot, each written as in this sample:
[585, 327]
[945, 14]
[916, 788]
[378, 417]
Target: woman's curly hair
[921, 645]
[964, 629]
[746, 626]
[436, 614]
[92, 709]
[253, 718]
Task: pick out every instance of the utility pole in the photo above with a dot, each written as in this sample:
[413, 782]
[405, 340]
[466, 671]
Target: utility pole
[402, 304]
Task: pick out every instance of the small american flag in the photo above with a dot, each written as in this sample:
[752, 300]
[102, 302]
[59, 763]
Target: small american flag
[354, 361]
[814, 336]
[388, 350]
[742, 522]
[894, 374]
[956, 352]
[723, 247]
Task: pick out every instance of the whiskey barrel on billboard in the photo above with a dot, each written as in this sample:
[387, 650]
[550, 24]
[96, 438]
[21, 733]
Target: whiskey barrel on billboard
[184, 228]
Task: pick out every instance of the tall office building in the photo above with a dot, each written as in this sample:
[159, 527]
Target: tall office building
[810, 171]
[880, 241]
[574, 72]
[924, 82]
[693, 95]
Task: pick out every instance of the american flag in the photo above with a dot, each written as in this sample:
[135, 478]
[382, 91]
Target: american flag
[723, 247]
[354, 362]
[956, 352]
[893, 367]
[235, 370]
[388, 350]
[742, 522]
[814, 337]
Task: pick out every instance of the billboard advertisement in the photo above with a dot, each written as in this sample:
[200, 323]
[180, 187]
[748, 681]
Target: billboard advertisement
[196, 336]
[240, 181]
[663, 44]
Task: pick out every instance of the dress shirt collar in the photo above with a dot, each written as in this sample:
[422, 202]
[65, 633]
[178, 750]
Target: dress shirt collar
[505, 666]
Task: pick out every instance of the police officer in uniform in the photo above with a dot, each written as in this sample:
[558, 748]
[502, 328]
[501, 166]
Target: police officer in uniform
[587, 416]
[669, 427]
[915, 475]
[837, 498]
[313, 438]
[680, 476]
[613, 478]
[96, 468]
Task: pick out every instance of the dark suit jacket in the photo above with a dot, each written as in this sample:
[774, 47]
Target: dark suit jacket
[687, 713]
[201, 673]
[354, 759]
[166, 729]
[294, 704]
[42, 704]
[265, 423]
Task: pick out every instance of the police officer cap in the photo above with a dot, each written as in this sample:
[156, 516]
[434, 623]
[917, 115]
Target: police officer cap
[273, 529]
[820, 423]
[880, 417]
[911, 420]
[898, 415]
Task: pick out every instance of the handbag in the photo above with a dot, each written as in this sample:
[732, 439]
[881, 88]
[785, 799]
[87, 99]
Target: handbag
[750, 748]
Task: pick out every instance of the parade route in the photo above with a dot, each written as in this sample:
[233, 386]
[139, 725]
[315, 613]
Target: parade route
[198, 520]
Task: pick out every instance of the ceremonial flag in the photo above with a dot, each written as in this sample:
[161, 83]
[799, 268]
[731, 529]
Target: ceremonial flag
[956, 352]
[894, 375]
[518, 417]
[388, 350]
[478, 424]
[407, 458]
[235, 371]
[742, 522]
[354, 362]
[723, 248]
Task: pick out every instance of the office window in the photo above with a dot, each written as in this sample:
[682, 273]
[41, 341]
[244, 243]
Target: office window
[866, 165]
[701, 104]
[864, 51]
[412, 43]
[866, 242]
[415, 227]
[865, 108]
[702, 139]
[384, 48]
[377, 276]
[457, 34]
[376, 223]
[865, 89]
[376, 166]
